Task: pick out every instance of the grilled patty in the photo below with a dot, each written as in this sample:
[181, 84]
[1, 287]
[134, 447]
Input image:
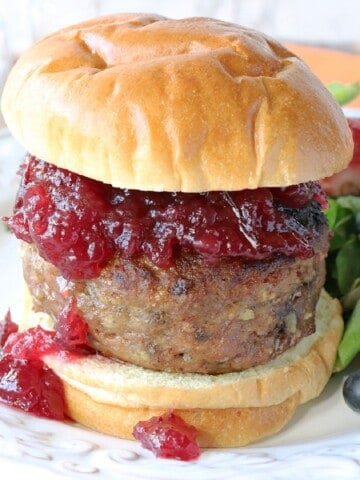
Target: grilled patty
[192, 317]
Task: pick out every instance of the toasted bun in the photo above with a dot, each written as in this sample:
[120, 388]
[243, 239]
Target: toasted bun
[230, 409]
[144, 102]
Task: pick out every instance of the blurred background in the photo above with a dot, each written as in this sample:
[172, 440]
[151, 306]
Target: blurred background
[334, 23]
[326, 23]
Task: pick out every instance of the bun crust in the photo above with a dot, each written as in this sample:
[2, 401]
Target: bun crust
[228, 409]
[218, 428]
[144, 102]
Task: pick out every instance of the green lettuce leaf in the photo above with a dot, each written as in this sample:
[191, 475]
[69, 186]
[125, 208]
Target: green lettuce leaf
[343, 271]
[344, 93]
[350, 344]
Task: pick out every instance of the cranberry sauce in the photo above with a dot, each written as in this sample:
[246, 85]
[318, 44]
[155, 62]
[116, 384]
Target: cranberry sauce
[31, 386]
[72, 330]
[7, 327]
[25, 381]
[168, 436]
[79, 224]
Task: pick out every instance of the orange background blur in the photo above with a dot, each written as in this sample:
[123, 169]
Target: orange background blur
[331, 65]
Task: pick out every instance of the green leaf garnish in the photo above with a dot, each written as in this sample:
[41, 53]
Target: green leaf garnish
[350, 344]
[343, 271]
[344, 93]
[348, 265]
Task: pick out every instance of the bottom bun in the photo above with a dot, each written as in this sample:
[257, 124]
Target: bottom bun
[228, 410]
[217, 428]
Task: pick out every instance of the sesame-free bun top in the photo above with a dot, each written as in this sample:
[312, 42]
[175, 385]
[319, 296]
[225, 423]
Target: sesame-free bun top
[145, 102]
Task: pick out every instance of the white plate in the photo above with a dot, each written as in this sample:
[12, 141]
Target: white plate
[322, 441]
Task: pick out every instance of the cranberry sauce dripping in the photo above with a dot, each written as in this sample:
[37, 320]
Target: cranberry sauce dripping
[79, 224]
[168, 436]
[31, 386]
[7, 327]
[25, 381]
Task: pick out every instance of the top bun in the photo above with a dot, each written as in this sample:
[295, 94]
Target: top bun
[149, 103]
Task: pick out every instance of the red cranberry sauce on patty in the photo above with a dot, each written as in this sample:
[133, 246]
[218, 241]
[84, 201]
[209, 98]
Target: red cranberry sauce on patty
[79, 224]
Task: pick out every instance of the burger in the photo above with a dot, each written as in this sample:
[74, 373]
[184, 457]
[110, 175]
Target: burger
[170, 211]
